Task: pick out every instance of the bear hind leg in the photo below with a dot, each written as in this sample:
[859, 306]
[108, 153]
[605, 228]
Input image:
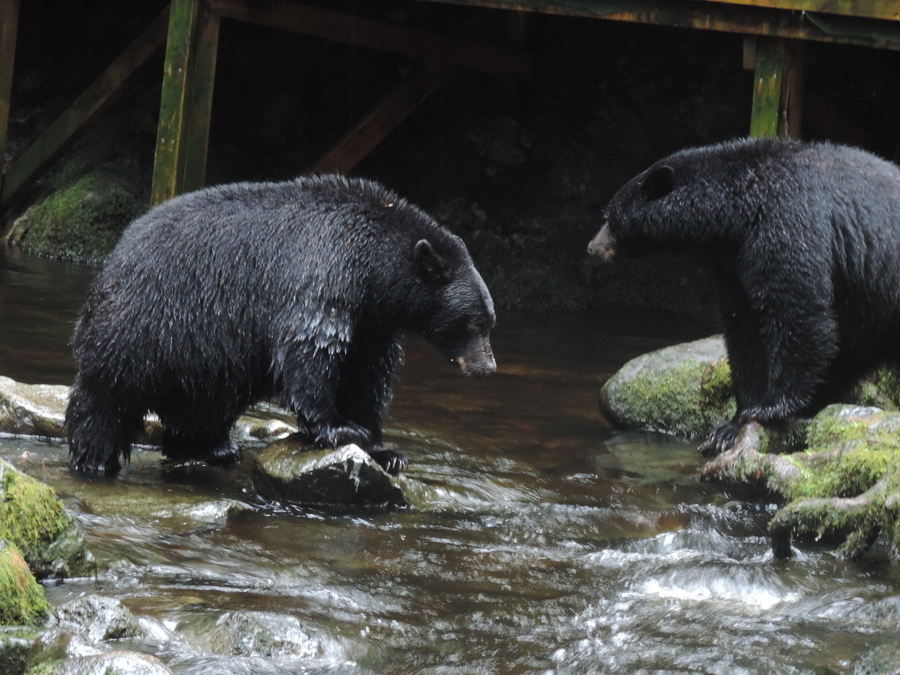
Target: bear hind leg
[99, 433]
[215, 450]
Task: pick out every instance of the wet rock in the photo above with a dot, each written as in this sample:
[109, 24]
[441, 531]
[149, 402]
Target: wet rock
[117, 663]
[845, 487]
[290, 471]
[883, 660]
[40, 410]
[34, 519]
[684, 390]
[97, 618]
[22, 600]
[57, 644]
[260, 634]
[33, 409]
[15, 644]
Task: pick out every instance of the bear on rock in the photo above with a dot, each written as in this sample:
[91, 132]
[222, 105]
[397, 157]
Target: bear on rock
[804, 239]
[298, 291]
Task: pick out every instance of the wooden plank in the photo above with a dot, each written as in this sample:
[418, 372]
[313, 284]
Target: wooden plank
[9, 22]
[868, 9]
[777, 89]
[25, 169]
[705, 15]
[379, 35]
[199, 105]
[171, 135]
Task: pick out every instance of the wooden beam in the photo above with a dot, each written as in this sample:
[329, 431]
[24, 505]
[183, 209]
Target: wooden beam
[9, 22]
[379, 35]
[199, 105]
[25, 169]
[365, 136]
[868, 9]
[777, 89]
[716, 16]
[383, 119]
[171, 135]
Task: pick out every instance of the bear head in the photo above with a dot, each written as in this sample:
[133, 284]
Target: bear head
[460, 312]
[691, 200]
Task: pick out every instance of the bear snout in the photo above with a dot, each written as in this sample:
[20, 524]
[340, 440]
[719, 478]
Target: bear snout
[603, 245]
[478, 359]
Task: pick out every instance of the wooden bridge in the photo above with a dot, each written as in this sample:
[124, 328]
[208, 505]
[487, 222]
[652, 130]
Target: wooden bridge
[774, 32]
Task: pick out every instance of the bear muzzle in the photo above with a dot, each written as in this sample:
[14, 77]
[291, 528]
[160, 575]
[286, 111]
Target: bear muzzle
[603, 245]
[478, 359]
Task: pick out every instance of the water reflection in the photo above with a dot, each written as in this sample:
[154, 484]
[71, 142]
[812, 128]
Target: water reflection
[546, 542]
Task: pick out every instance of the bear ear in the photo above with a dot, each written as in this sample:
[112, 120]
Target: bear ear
[659, 183]
[431, 266]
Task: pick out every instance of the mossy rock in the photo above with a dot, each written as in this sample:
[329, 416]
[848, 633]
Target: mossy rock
[82, 221]
[844, 487]
[33, 518]
[684, 390]
[22, 599]
[15, 645]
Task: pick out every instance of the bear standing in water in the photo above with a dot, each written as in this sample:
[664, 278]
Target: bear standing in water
[297, 291]
[804, 239]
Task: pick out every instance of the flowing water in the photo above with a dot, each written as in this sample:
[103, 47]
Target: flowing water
[552, 544]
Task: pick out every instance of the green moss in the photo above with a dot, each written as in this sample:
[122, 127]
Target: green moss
[46, 668]
[715, 385]
[841, 474]
[22, 599]
[31, 515]
[82, 221]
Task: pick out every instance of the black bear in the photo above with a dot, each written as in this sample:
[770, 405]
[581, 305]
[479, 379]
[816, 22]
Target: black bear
[296, 291]
[804, 239]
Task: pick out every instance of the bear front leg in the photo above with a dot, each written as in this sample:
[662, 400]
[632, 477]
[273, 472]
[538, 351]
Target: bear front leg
[364, 392]
[792, 329]
[747, 359]
[310, 380]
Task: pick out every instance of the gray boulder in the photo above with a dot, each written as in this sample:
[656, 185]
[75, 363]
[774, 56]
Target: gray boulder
[290, 471]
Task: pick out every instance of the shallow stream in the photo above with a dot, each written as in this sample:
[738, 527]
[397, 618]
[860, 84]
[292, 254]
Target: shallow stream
[553, 543]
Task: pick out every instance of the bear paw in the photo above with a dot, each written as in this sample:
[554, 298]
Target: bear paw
[392, 461]
[720, 440]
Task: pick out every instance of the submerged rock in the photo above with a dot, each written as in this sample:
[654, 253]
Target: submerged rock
[290, 471]
[15, 645]
[883, 660]
[57, 643]
[34, 519]
[111, 663]
[97, 618]
[684, 390]
[260, 634]
[22, 599]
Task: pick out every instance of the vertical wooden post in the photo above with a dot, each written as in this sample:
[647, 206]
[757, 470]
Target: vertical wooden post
[777, 87]
[201, 79]
[186, 100]
[9, 24]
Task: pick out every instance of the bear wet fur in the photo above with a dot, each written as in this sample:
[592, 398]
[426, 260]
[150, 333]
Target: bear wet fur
[804, 239]
[297, 291]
